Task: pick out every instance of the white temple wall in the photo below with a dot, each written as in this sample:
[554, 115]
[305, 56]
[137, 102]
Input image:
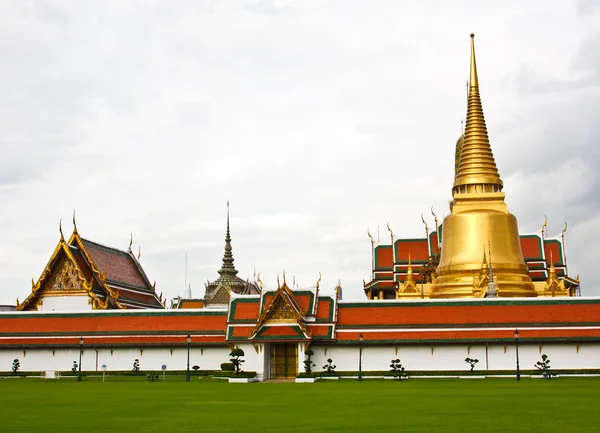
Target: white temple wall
[452, 357]
[207, 358]
[65, 303]
[431, 357]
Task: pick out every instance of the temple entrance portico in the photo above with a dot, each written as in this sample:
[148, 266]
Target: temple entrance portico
[283, 360]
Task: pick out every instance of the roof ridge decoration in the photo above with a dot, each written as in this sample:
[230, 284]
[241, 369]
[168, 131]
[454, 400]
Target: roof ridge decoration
[283, 308]
[476, 164]
[228, 270]
[140, 269]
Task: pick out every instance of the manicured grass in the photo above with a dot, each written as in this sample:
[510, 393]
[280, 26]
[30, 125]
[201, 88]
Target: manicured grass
[134, 404]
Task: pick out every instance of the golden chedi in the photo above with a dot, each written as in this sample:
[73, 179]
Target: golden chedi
[479, 222]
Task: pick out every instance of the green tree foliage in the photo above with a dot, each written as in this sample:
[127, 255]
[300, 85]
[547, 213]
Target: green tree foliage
[75, 366]
[16, 365]
[136, 365]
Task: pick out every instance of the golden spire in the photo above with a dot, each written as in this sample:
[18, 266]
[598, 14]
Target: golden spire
[477, 165]
[552, 271]
[409, 272]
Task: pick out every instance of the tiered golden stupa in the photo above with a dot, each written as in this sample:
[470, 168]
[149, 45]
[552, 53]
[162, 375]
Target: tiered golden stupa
[477, 252]
[479, 222]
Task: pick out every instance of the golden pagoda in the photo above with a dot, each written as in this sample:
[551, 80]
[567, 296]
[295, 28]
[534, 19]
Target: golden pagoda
[477, 252]
[479, 219]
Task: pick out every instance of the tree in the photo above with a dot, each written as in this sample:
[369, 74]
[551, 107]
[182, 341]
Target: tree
[196, 367]
[329, 367]
[74, 368]
[544, 367]
[308, 364]
[236, 354]
[136, 365]
[397, 369]
[472, 362]
[16, 365]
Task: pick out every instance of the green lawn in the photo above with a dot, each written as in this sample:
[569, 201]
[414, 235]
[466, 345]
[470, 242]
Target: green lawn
[134, 404]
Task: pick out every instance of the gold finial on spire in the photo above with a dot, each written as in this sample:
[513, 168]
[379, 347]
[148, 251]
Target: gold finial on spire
[130, 240]
[139, 252]
[258, 280]
[319, 281]
[552, 270]
[74, 223]
[477, 165]
[62, 237]
[278, 285]
[391, 232]
[473, 80]
[409, 271]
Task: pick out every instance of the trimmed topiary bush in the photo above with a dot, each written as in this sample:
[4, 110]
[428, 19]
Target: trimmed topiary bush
[308, 364]
[544, 367]
[227, 366]
[16, 365]
[236, 360]
[472, 362]
[329, 367]
[397, 369]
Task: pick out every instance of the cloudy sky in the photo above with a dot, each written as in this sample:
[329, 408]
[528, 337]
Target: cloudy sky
[316, 119]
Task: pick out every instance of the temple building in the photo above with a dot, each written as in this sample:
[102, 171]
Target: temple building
[218, 292]
[472, 287]
[85, 275]
[477, 251]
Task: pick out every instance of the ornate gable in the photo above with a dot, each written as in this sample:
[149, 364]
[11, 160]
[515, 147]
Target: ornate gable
[61, 276]
[283, 310]
[67, 278]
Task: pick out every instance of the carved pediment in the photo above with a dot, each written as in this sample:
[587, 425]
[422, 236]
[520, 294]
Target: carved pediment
[65, 278]
[281, 311]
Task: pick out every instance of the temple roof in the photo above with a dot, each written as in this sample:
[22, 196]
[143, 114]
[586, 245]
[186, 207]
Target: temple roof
[113, 278]
[120, 266]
